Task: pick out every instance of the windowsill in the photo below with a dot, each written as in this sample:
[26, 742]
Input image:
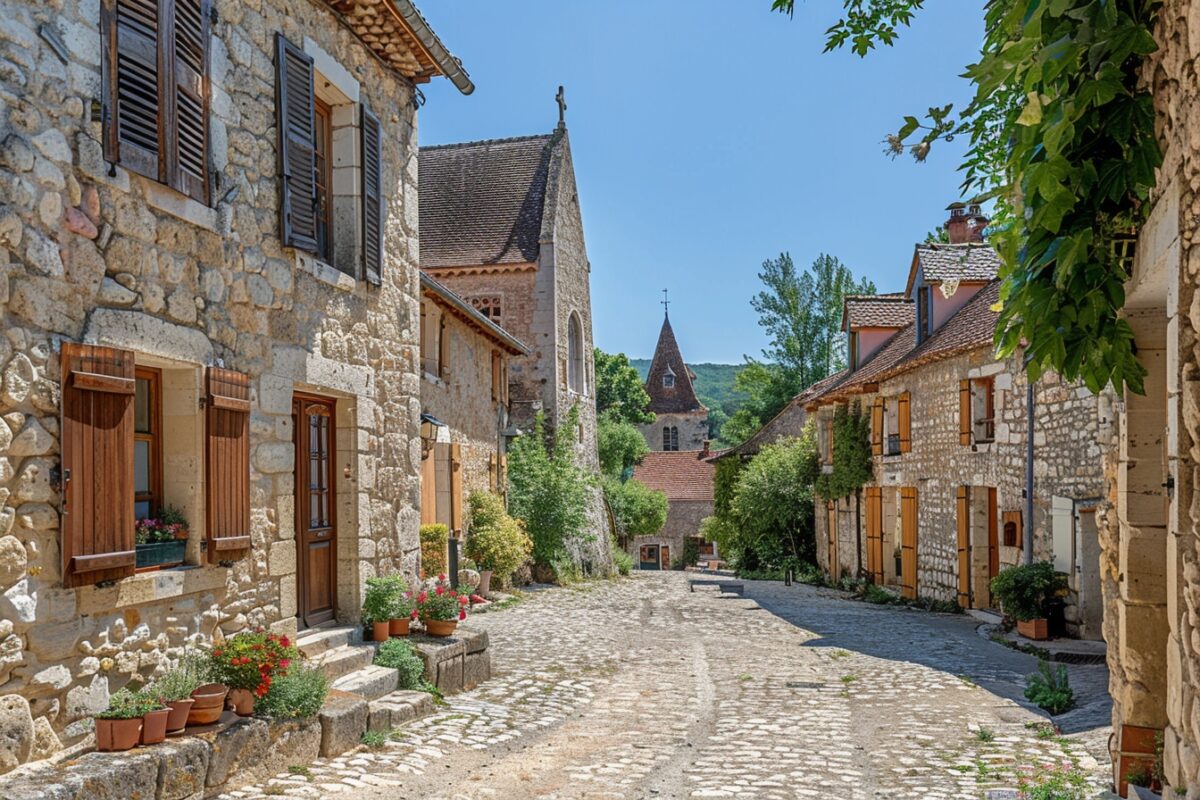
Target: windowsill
[165, 199]
[326, 273]
[163, 584]
[434, 379]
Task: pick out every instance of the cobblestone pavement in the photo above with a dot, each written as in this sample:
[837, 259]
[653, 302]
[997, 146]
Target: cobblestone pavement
[637, 689]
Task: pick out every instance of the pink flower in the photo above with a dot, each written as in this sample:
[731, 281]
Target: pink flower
[442, 577]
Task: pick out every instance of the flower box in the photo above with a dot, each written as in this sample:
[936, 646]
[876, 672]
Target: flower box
[160, 554]
[1036, 629]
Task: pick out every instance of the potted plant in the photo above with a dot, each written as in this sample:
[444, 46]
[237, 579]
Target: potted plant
[154, 721]
[248, 662]
[497, 543]
[160, 541]
[174, 689]
[209, 702]
[119, 727]
[1024, 592]
[379, 603]
[441, 608]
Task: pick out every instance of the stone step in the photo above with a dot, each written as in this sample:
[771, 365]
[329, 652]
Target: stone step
[345, 659]
[397, 708]
[320, 640]
[371, 682]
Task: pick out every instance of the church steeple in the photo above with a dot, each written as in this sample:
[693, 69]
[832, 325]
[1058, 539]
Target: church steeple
[669, 383]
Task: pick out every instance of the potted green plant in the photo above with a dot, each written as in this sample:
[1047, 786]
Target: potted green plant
[154, 721]
[497, 543]
[174, 689]
[1024, 592]
[248, 662]
[119, 726]
[161, 541]
[378, 606]
[441, 608]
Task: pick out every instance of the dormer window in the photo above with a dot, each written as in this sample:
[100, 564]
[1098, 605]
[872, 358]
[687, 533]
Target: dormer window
[668, 379]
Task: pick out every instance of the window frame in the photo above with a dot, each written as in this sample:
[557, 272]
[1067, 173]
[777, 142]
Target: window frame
[891, 419]
[323, 177]
[987, 423]
[153, 437]
[668, 380]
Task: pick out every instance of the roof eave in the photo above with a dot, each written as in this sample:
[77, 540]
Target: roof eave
[447, 64]
[514, 345]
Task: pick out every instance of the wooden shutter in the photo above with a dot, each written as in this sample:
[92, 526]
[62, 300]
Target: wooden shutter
[496, 369]
[877, 427]
[187, 170]
[429, 489]
[964, 548]
[372, 183]
[964, 412]
[1013, 518]
[133, 105]
[875, 533]
[456, 490]
[227, 463]
[297, 146]
[502, 476]
[993, 534]
[908, 541]
[493, 472]
[98, 385]
[905, 414]
[443, 370]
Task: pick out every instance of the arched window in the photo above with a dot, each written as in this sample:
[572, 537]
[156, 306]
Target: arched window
[576, 379]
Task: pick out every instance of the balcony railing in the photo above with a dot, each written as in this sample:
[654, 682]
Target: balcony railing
[985, 431]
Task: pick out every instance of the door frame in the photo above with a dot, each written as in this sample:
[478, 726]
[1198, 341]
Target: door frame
[657, 556]
[300, 474]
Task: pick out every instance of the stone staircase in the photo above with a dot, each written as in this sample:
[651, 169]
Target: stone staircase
[339, 650]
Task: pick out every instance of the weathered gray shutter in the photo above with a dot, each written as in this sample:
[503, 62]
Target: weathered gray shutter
[372, 181]
[132, 103]
[187, 171]
[297, 146]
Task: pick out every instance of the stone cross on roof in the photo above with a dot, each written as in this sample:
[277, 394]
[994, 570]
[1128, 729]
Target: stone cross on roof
[665, 302]
[561, 99]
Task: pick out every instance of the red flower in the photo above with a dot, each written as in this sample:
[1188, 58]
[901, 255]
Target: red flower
[462, 615]
[422, 597]
[414, 614]
[442, 577]
[462, 601]
[477, 599]
[439, 589]
[284, 662]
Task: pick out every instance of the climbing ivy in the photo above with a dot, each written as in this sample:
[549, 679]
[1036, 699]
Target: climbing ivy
[1062, 138]
[852, 465]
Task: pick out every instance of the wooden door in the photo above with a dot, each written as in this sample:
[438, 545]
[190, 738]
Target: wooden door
[875, 533]
[664, 557]
[993, 514]
[964, 547]
[908, 541]
[648, 556]
[316, 509]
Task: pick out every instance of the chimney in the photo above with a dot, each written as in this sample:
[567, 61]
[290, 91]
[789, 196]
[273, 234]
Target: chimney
[966, 223]
[706, 449]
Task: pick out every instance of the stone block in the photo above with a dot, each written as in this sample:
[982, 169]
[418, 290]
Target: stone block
[16, 732]
[343, 720]
[370, 682]
[283, 558]
[183, 766]
[477, 668]
[243, 742]
[450, 675]
[293, 741]
[114, 776]
[474, 639]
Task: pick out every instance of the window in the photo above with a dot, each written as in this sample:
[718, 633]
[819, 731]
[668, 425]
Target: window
[977, 411]
[1012, 529]
[827, 441]
[433, 341]
[668, 379]
[489, 307]
[891, 426]
[323, 155]
[156, 90]
[670, 438]
[853, 351]
[147, 443]
[575, 367]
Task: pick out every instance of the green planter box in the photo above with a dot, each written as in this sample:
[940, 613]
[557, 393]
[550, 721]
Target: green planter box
[157, 554]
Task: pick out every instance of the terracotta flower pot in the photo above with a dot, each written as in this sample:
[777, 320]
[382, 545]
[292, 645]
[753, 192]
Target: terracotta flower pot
[178, 718]
[1036, 629]
[440, 627]
[242, 701]
[117, 734]
[380, 630]
[210, 702]
[154, 725]
[485, 583]
[398, 627]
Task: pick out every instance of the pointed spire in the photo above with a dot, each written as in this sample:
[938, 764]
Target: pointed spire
[669, 382]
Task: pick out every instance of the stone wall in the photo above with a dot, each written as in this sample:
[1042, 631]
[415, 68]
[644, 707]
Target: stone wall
[683, 522]
[90, 252]
[693, 430]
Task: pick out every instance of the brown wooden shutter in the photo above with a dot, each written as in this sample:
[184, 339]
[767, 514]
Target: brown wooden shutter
[502, 477]
[964, 412]
[835, 567]
[875, 533]
[456, 490]
[964, 548]
[429, 489]
[297, 146]
[98, 386]
[187, 135]
[877, 427]
[494, 472]
[132, 100]
[372, 183]
[227, 463]
[908, 541]
[993, 534]
[1013, 518]
[905, 414]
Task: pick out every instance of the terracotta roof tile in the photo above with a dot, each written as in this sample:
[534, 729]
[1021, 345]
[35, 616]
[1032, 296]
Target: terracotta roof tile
[681, 397]
[879, 311]
[964, 262]
[482, 203]
[682, 475]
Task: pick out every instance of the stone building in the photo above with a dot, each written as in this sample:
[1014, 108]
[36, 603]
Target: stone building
[1150, 563]
[680, 419]
[209, 302]
[686, 477]
[464, 403]
[948, 427]
[501, 227]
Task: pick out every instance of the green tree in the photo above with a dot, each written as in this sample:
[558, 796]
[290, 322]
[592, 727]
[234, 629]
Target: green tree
[637, 509]
[772, 507]
[547, 489]
[621, 445]
[619, 389]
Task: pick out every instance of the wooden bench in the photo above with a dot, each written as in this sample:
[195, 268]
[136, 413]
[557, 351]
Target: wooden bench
[732, 587]
[694, 582]
[722, 584]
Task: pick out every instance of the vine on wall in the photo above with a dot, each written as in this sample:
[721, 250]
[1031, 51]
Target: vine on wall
[852, 464]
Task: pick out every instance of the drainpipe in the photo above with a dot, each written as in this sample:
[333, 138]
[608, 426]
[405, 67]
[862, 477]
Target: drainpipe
[1028, 554]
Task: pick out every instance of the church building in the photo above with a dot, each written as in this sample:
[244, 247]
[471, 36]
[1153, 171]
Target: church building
[680, 419]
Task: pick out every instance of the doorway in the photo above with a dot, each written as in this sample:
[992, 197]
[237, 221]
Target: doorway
[648, 556]
[316, 509]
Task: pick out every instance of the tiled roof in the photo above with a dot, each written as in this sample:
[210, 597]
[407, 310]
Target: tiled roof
[681, 397]
[788, 422]
[682, 475]
[482, 203]
[877, 311]
[948, 262]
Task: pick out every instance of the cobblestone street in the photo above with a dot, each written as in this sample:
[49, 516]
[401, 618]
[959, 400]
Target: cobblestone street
[637, 688]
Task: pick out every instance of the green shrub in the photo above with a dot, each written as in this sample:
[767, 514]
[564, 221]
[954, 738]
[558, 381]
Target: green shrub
[772, 510]
[191, 672]
[1024, 590]
[1050, 689]
[1054, 782]
[497, 542]
[128, 704]
[379, 600]
[637, 509]
[433, 549]
[620, 445]
[296, 694]
[878, 595]
[398, 654]
[376, 740]
[622, 560]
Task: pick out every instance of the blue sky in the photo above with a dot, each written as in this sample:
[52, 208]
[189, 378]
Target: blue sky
[709, 136]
